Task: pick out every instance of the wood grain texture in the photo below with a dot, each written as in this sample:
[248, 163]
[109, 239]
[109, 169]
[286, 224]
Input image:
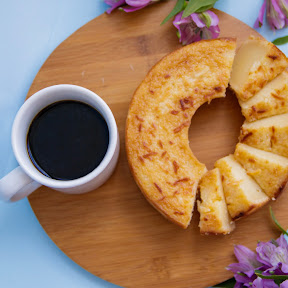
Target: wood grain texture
[113, 232]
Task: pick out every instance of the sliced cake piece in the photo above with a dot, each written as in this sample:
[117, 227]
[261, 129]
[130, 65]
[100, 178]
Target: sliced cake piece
[269, 134]
[243, 195]
[256, 63]
[271, 100]
[214, 216]
[269, 170]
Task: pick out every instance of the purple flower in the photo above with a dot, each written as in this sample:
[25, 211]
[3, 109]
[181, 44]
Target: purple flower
[274, 254]
[244, 270]
[196, 26]
[271, 259]
[275, 16]
[264, 283]
[130, 5]
[260, 19]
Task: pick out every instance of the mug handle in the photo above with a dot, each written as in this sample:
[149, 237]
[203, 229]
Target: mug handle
[17, 185]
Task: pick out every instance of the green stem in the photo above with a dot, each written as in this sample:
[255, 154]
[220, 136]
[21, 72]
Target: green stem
[276, 222]
[274, 277]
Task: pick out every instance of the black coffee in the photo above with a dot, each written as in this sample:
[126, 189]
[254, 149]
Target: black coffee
[67, 140]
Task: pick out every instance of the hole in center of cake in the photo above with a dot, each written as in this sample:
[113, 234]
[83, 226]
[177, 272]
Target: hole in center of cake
[215, 129]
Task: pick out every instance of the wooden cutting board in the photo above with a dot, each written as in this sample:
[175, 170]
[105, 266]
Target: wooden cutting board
[113, 232]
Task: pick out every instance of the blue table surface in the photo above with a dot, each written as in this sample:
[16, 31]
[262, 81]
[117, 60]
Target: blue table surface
[30, 30]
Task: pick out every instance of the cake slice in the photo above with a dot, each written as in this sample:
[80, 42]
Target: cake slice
[243, 195]
[268, 134]
[256, 63]
[271, 100]
[214, 216]
[269, 170]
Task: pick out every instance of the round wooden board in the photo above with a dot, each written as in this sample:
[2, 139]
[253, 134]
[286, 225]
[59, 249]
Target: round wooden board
[113, 232]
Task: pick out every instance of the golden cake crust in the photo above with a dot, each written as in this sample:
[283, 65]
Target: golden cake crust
[159, 117]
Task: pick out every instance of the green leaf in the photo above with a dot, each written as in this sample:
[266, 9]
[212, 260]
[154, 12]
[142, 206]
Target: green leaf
[226, 284]
[281, 40]
[276, 222]
[274, 277]
[177, 8]
[198, 6]
[204, 8]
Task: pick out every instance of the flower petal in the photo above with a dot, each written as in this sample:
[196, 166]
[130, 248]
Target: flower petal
[264, 283]
[179, 20]
[132, 9]
[243, 279]
[114, 4]
[275, 17]
[193, 27]
[264, 252]
[280, 255]
[239, 267]
[281, 241]
[198, 21]
[259, 21]
[245, 255]
[138, 3]
[284, 284]
[284, 6]
[210, 33]
[214, 18]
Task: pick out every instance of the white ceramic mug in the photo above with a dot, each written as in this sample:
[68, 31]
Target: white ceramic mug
[26, 178]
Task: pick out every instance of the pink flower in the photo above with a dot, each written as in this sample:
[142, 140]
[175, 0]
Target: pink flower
[284, 7]
[196, 26]
[275, 17]
[260, 19]
[276, 14]
[129, 5]
[135, 5]
[114, 4]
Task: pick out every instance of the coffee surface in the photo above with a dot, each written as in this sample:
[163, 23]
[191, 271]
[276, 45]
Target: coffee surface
[67, 140]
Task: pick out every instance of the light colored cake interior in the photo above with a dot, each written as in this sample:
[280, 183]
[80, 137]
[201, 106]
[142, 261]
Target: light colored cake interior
[256, 63]
[243, 195]
[214, 216]
[270, 101]
[268, 134]
[278, 120]
[249, 53]
[269, 170]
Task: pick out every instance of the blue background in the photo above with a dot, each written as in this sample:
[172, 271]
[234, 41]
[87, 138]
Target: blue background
[30, 30]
